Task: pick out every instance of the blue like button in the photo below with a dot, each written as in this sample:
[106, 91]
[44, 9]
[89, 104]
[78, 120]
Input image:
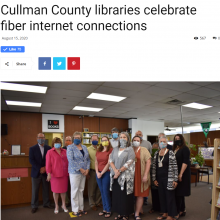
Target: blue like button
[12, 49]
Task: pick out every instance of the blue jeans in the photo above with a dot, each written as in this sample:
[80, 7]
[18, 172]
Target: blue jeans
[104, 186]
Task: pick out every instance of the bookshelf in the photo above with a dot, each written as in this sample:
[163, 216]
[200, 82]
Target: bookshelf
[87, 137]
[216, 174]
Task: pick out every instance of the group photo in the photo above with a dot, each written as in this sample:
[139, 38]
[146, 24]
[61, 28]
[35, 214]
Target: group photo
[117, 150]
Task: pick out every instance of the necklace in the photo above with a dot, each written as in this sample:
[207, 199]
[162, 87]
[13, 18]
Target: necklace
[136, 154]
[160, 164]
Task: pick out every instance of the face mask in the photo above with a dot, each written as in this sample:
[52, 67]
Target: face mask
[77, 141]
[115, 135]
[162, 145]
[136, 143]
[178, 142]
[104, 143]
[57, 145]
[95, 143]
[123, 143]
[41, 141]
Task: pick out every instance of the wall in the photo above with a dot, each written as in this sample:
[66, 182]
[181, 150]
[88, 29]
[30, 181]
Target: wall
[23, 127]
[147, 127]
[22, 130]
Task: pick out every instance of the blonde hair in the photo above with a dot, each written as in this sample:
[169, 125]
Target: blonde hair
[77, 133]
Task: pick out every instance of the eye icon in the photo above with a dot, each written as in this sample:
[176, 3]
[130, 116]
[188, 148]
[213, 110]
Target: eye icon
[196, 38]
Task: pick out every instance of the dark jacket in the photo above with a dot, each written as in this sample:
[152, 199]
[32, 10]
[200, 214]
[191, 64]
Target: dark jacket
[36, 160]
[170, 147]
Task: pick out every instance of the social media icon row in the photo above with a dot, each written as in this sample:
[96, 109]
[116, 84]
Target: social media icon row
[59, 63]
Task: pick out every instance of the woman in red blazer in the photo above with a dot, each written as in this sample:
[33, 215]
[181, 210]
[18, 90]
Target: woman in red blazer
[57, 171]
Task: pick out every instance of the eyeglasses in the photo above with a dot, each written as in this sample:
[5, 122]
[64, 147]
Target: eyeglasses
[40, 137]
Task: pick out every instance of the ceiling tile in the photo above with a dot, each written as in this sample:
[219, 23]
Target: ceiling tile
[215, 86]
[202, 83]
[57, 106]
[98, 102]
[185, 97]
[138, 101]
[24, 99]
[75, 86]
[66, 92]
[206, 92]
[23, 108]
[161, 105]
[58, 98]
[47, 84]
[178, 86]
[22, 94]
[161, 91]
[210, 102]
[113, 91]
[133, 86]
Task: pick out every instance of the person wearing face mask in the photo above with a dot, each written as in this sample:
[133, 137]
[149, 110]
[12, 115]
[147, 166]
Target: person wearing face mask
[170, 147]
[57, 173]
[37, 155]
[142, 174]
[165, 177]
[79, 165]
[68, 141]
[103, 174]
[122, 167]
[183, 189]
[114, 140]
[94, 194]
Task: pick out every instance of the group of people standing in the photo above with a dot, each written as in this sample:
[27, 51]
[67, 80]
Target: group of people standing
[118, 173]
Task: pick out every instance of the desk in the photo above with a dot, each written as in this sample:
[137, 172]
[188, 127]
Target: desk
[193, 177]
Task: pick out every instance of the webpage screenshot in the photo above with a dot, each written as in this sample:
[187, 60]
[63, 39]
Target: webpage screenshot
[110, 109]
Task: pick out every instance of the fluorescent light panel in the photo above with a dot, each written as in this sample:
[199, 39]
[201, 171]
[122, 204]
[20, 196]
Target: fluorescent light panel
[31, 104]
[197, 105]
[23, 88]
[105, 97]
[81, 108]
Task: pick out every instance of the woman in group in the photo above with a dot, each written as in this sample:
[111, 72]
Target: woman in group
[57, 172]
[79, 165]
[103, 174]
[142, 174]
[183, 189]
[122, 169]
[154, 189]
[165, 176]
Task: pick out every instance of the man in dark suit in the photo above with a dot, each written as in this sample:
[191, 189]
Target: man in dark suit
[37, 156]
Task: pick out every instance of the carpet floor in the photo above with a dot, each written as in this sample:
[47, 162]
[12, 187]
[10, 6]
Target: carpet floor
[197, 207]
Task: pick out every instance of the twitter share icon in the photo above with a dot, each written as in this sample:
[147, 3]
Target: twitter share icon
[59, 63]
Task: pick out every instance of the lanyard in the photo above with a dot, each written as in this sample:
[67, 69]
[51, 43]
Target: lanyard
[136, 154]
[160, 161]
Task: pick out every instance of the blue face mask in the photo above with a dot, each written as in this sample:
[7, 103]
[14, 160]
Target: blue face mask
[41, 141]
[95, 143]
[57, 145]
[77, 141]
[115, 135]
[162, 145]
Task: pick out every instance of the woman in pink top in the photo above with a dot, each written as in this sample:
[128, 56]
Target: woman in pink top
[57, 172]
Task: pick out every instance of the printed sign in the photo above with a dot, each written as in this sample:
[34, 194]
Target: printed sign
[53, 124]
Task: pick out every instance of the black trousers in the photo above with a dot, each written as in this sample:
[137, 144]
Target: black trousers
[167, 198]
[180, 204]
[155, 200]
[35, 191]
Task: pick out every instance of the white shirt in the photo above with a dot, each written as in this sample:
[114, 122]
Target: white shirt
[114, 142]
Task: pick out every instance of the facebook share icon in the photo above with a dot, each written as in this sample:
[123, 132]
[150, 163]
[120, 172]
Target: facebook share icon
[44, 63]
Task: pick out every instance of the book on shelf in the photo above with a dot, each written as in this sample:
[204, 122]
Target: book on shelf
[219, 181]
[218, 201]
[218, 216]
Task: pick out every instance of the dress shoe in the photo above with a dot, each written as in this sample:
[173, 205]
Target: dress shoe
[99, 205]
[94, 208]
[33, 210]
[49, 206]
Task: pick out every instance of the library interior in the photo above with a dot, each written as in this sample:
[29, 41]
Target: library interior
[40, 114]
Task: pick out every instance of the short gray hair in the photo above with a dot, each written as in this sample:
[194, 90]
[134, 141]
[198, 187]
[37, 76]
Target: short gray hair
[161, 134]
[163, 138]
[128, 137]
[68, 137]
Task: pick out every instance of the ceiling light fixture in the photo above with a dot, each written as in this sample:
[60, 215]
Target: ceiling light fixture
[81, 108]
[23, 88]
[31, 104]
[197, 105]
[105, 97]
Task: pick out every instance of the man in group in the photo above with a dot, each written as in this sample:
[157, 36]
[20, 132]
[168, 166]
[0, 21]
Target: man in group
[144, 143]
[37, 155]
[68, 141]
[94, 194]
[160, 135]
[115, 137]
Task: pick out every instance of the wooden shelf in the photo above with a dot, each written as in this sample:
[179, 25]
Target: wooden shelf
[216, 176]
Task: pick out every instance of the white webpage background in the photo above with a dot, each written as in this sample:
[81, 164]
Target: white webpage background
[167, 51]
